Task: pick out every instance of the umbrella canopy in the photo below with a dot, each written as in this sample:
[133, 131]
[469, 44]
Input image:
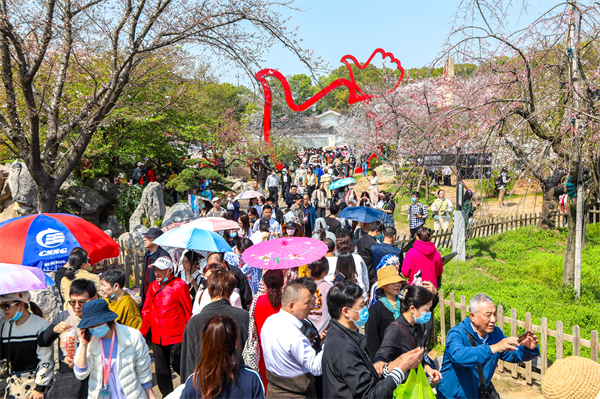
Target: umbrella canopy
[214, 224]
[365, 214]
[248, 194]
[17, 278]
[45, 240]
[329, 147]
[189, 237]
[284, 253]
[341, 183]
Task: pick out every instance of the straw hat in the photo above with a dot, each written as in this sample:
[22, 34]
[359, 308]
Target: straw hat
[572, 378]
[388, 275]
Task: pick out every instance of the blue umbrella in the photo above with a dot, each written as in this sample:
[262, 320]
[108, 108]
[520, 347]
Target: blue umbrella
[365, 214]
[189, 237]
[341, 183]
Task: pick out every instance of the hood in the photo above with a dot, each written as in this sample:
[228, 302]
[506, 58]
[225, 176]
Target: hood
[426, 248]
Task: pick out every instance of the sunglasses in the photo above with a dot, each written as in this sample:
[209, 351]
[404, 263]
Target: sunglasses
[81, 302]
[6, 306]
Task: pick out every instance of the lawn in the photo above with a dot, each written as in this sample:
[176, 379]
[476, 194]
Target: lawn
[522, 269]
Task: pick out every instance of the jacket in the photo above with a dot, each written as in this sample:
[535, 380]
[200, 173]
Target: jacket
[380, 250]
[148, 260]
[319, 199]
[247, 385]
[459, 369]
[286, 183]
[400, 337]
[192, 340]
[312, 216]
[133, 361]
[167, 309]
[364, 250]
[311, 179]
[290, 199]
[425, 257]
[326, 180]
[347, 370]
[379, 320]
[236, 209]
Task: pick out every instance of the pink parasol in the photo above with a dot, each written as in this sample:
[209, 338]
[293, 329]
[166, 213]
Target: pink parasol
[214, 224]
[284, 253]
[248, 194]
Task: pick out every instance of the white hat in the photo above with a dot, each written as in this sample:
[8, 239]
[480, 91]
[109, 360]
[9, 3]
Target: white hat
[216, 199]
[162, 264]
[23, 296]
[140, 164]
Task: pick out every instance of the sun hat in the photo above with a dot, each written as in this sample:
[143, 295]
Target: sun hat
[388, 275]
[23, 296]
[162, 264]
[572, 378]
[96, 312]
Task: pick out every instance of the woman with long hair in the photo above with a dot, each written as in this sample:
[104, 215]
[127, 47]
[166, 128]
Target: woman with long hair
[218, 375]
[266, 305]
[365, 200]
[292, 229]
[79, 263]
[244, 222]
[344, 244]
[253, 203]
[190, 272]
[319, 316]
[346, 265]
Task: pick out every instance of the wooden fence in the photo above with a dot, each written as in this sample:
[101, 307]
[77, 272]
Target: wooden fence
[527, 369]
[129, 261]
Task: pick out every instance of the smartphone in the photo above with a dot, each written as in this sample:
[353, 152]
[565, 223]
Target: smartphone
[339, 278]
[523, 337]
[424, 340]
[87, 335]
[311, 333]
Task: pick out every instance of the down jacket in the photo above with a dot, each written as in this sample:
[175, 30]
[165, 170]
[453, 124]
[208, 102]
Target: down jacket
[133, 361]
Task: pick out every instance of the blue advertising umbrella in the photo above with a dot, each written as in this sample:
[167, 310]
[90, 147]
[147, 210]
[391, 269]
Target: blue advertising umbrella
[365, 214]
[189, 237]
[341, 183]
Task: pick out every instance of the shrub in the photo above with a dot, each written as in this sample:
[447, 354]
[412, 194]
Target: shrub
[127, 201]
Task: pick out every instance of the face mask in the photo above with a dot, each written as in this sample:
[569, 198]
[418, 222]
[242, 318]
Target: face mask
[364, 316]
[290, 232]
[232, 235]
[17, 316]
[202, 206]
[413, 199]
[379, 237]
[99, 331]
[425, 317]
[164, 280]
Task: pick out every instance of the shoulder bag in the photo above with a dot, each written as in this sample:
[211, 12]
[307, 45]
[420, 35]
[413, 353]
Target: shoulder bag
[485, 391]
[251, 352]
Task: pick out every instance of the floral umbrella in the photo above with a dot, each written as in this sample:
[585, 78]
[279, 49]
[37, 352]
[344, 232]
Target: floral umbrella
[284, 253]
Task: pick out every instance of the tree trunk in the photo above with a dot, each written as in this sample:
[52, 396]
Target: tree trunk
[47, 198]
[427, 189]
[569, 266]
[420, 180]
[550, 208]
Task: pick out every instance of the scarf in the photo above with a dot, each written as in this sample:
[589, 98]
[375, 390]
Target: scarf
[388, 306]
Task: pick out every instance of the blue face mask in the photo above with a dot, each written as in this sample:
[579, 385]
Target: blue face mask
[233, 235]
[425, 317]
[364, 316]
[413, 199]
[379, 237]
[17, 316]
[99, 331]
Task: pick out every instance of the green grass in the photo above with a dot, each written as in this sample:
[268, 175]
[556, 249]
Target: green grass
[522, 269]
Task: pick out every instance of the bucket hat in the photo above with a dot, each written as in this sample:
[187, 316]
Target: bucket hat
[388, 275]
[96, 312]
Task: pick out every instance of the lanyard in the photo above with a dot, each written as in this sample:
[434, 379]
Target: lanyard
[106, 364]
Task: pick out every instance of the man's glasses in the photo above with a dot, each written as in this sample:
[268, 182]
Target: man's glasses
[7, 306]
[81, 302]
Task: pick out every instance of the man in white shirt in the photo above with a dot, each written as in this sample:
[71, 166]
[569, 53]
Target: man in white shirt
[267, 213]
[442, 211]
[272, 185]
[290, 360]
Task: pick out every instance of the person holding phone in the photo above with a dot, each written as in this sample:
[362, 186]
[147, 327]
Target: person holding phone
[408, 331]
[114, 356]
[416, 214]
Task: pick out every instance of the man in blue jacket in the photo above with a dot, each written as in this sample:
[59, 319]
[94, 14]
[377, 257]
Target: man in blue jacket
[460, 376]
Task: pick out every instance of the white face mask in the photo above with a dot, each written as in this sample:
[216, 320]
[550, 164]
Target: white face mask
[290, 232]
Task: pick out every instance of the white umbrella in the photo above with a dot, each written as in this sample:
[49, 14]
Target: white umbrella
[249, 194]
[214, 224]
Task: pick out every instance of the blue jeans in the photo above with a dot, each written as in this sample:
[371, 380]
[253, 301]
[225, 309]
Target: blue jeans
[364, 168]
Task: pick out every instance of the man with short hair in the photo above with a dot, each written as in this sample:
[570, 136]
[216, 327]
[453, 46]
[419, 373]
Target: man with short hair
[335, 226]
[442, 211]
[277, 213]
[257, 187]
[474, 347]
[286, 182]
[216, 211]
[273, 184]
[347, 370]
[119, 301]
[364, 248]
[290, 360]
[290, 198]
[309, 215]
[167, 310]
[242, 284]
[152, 253]
[220, 286]
[67, 386]
[274, 226]
[378, 251]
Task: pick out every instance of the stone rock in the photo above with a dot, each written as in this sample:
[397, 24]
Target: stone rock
[68, 183]
[9, 211]
[178, 213]
[385, 171]
[140, 228]
[89, 200]
[22, 186]
[133, 240]
[5, 193]
[151, 206]
[112, 225]
[104, 187]
[108, 233]
[48, 300]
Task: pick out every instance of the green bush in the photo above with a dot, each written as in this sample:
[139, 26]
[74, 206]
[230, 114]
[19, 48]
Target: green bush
[127, 201]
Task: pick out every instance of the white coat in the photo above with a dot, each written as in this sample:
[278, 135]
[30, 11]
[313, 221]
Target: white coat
[133, 362]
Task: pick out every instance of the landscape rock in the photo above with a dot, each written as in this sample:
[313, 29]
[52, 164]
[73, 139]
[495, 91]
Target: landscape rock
[9, 211]
[22, 186]
[140, 228]
[89, 200]
[178, 213]
[112, 225]
[104, 187]
[385, 171]
[48, 300]
[132, 240]
[151, 206]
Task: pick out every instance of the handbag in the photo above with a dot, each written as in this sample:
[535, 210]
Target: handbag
[251, 352]
[485, 391]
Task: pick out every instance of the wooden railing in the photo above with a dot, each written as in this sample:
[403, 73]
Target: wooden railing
[544, 332]
[129, 261]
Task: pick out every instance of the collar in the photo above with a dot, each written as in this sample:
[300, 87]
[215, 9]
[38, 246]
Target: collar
[484, 339]
[358, 338]
[293, 319]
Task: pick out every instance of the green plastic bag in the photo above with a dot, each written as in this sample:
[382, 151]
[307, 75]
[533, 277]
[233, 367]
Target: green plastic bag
[416, 386]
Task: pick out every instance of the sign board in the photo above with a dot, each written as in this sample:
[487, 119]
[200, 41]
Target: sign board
[439, 159]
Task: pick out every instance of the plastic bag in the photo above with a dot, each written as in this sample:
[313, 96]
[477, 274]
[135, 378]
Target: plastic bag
[416, 386]
[68, 343]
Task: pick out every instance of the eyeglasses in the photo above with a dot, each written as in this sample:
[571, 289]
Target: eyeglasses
[81, 302]
[6, 306]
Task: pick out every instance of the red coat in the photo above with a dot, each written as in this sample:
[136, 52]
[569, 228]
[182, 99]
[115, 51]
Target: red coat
[166, 311]
[425, 257]
[262, 311]
[151, 176]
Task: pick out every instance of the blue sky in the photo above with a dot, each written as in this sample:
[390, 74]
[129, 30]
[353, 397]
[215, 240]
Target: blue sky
[414, 31]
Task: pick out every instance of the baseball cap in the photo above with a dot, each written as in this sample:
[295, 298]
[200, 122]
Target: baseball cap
[216, 199]
[162, 264]
[264, 223]
[154, 232]
[140, 164]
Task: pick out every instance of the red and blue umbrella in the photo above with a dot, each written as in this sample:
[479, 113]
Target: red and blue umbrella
[46, 240]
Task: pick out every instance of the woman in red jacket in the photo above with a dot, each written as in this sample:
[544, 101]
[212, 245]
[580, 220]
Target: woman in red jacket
[151, 175]
[423, 257]
[267, 305]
